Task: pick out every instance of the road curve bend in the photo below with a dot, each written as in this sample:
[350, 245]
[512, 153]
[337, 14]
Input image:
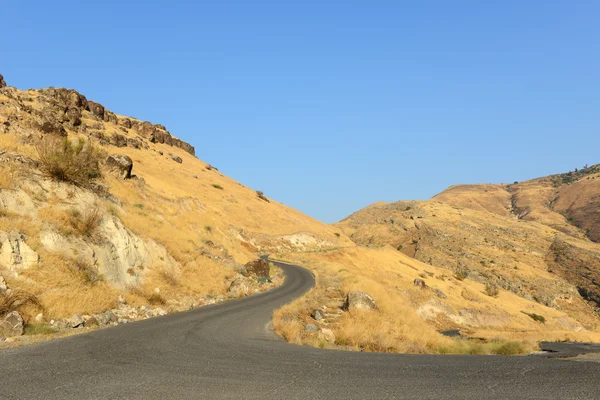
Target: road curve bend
[226, 351]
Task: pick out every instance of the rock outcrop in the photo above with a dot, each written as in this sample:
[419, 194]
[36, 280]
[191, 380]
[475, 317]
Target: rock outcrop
[15, 254]
[2, 82]
[157, 134]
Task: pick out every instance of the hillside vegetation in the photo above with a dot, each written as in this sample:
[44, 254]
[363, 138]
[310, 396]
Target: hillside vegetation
[106, 219]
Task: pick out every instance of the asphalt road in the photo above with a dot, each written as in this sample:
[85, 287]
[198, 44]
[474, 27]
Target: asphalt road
[226, 351]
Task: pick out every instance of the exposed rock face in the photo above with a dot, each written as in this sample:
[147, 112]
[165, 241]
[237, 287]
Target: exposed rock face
[12, 325]
[120, 163]
[121, 257]
[359, 301]
[175, 158]
[15, 254]
[110, 117]
[2, 82]
[157, 134]
[125, 122]
[258, 268]
[96, 109]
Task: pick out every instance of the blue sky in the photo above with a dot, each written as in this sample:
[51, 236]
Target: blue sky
[328, 106]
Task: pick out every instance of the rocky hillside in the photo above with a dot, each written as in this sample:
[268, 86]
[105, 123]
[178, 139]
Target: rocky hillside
[106, 219]
[99, 210]
[536, 239]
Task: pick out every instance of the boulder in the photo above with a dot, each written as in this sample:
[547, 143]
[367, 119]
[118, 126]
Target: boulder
[90, 322]
[121, 299]
[2, 82]
[420, 283]
[76, 321]
[327, 334]
[176, 158]
[258, 268]
[317, 315]
[239, 287]
[311, 328]
[96, 109]
[3, 285]
[120, 163]
[106, 317]
[134, 143]
[12, 325]
[15, 254]
[356, 300]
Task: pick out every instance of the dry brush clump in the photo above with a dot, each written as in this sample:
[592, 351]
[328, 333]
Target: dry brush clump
[67, 161]
[85, 223]
[12, 300]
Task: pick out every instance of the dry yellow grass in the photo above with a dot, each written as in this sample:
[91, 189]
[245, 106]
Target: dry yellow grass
[409, 318]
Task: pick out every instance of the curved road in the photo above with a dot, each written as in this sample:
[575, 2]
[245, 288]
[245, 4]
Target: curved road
[225, 351]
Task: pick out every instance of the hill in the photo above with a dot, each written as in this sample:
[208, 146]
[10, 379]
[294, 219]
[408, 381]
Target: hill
[105, 219]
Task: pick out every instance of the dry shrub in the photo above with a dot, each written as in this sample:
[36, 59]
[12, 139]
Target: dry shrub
[87, 222]
[491, 289]
[155, 299]
[169, 276]
[86, 271]
[63, 160]
[11, 301]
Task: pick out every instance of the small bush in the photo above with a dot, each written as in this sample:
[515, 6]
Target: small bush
[461, 273]
[85, 223]
[38, 329]
[535, 317]
[156, 299]
[86, 271]
[170, 277]
[262, 196]
[337, 234]
[217, 186]
[208, 228]
[63, 160]
[491, 289]
[399, 248]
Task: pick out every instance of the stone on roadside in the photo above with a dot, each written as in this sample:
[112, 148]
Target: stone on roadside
[317, 315]
[12, 325]
[90, 322]
[76, 321]
[311, 328]
[356, 300]
[327, 334]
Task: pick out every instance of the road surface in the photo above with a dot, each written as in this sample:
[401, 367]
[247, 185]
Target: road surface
[226, 351]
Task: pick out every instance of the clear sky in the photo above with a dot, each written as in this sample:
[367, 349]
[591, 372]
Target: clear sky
[328, 106]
